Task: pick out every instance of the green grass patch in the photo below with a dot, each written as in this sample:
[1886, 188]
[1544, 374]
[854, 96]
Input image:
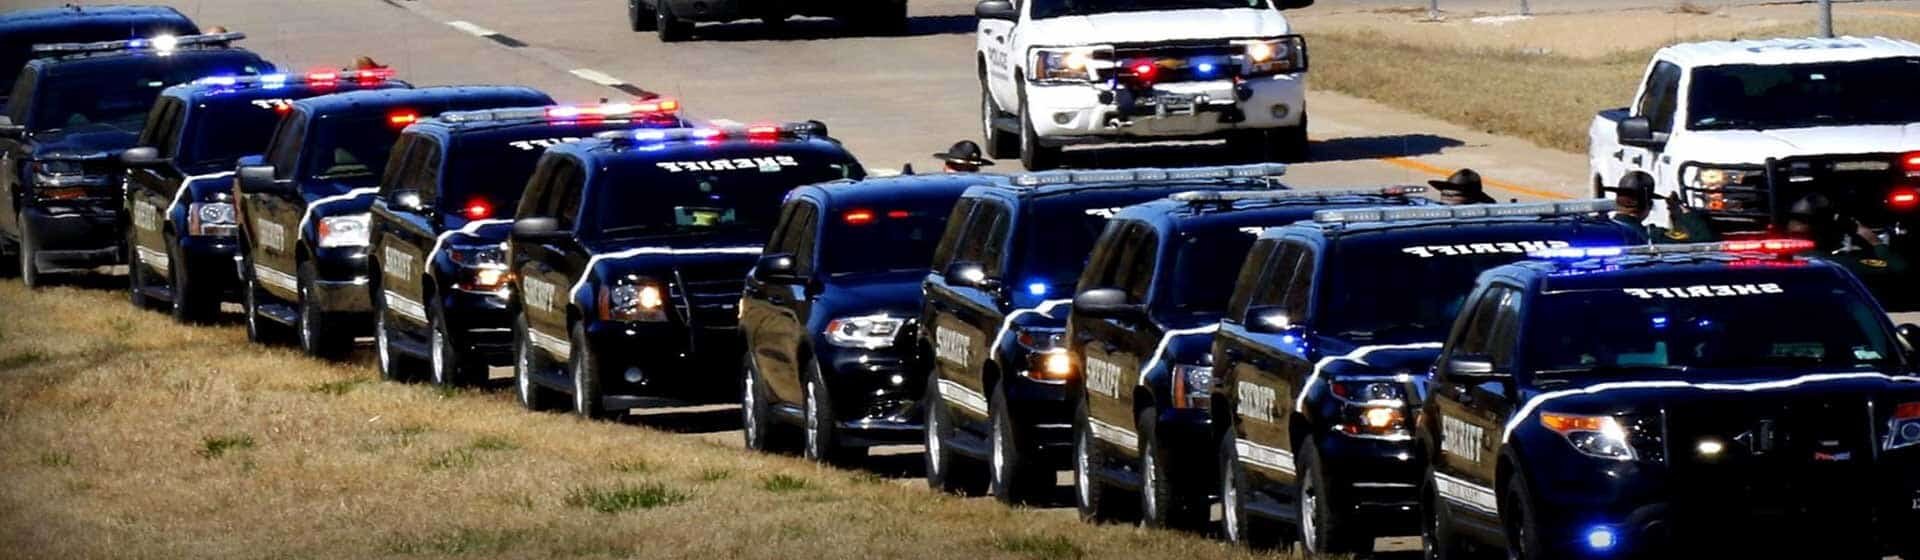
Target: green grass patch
[214, 447]
[784, 483]
[625, 498]
[1047, 547]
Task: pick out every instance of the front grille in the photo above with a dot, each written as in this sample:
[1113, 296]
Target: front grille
[1804, 461]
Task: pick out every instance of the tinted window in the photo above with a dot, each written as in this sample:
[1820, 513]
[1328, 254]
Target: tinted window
[1795, 95]
[899, 237]
[223, 129]
[119, 95]
[648, 198]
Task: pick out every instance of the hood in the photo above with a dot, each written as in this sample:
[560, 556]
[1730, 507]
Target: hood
[1755, 146]
[895, 293]
[1157, 26]
[91, 141]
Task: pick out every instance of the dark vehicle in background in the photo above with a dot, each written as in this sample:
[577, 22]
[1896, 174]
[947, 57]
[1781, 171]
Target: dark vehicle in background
[990, 335]
[20, 30]
[304, 208]
[629, 253]
[71, 114]
[1319, 358]
[179, 200]
[1141, 336]
[674, 19]
[440, 225]
[828, 314]
[1680, 410]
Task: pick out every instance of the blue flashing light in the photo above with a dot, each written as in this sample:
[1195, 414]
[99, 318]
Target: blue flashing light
[1602, 539]
[1037, 288]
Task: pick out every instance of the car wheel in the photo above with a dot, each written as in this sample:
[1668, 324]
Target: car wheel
[639, 17]
[584, 367]
[1437, 541]
[1034, 155]
[1237, 526]
[320, 335]
[1013, 476]
[947, 470]
[1089, 494]
[449, 367]
[999, 144]
[762, 433]
[823, 437]
[527, 361]
[29, 256]
[190, 304]
[670, 28]
[1322, 529]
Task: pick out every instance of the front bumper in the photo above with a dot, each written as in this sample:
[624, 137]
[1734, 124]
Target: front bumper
[1075, 113]
[75, 237]
[1376, 479]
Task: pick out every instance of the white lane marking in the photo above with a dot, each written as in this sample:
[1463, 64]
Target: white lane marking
[574, 293]
[1045, 308]
[1466, 493]
[276, 278]
[1526, 410]
[1260, 455]
[349, 195]
[1117, 435]
[953, 392]
[556, 346]
[597, 77]
[1356, 355]
[156, 258]
[406, 307]
[1160, 351]
[472, 29]
[179, 196]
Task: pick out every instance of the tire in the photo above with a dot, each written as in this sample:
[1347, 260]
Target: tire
[1089, 494]
[584, 368]
[670, 28]
[136, 277]
[639, 17]
[1033, 155]
[448, 366]
[1437, 541]
[1162, 504]
[260, 330]
[29, 269]
[1236, 525]
[998, 144]
[757, 425]
[393, 366]
[947, 471]
[823, 442]
[1013, 478]
[321, 336]
[190, 305]
[526, 361]
[1322, 530]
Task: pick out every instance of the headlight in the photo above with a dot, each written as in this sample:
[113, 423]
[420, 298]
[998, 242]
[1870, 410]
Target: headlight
[1706, 186]
[345, 231]
[1073, 64]
[1904, 429]
[1283, 55]
[1373, 409]
[645, 303]
[1192, 386]
[871, 332]
[211, 219]
[1604, 437]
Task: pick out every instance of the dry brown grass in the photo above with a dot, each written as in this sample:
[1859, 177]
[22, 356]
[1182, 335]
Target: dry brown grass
[127, 436]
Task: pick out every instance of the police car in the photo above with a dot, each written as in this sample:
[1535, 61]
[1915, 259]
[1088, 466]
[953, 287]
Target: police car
[996, 309]
[73, 111]
[1723, 399]
[439, 228]
[303, 208]
[1331, 324]
[20, 30]
[1141, 330]
[828, 313]
[179, 196]
[630, 250]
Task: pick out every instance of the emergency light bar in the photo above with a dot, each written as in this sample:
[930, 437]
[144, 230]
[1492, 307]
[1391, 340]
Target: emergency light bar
[1769, 246]
[162, 43]
[650, 108]
[1208, 197]
[1152, 175]
[766, 132]
[324, 77]
[1537, 209]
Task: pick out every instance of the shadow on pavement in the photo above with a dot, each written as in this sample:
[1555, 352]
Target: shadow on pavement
[814, 29]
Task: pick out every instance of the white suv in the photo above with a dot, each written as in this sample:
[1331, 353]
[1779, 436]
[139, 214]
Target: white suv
[1059, 72]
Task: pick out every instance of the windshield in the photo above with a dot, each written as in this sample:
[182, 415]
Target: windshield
[1205, 266]
[1057, 8]
[118, 95]
[222, 130]
[1739, 327]
[349, 151]
[656, 200]
[1802, 95]
[891, 239]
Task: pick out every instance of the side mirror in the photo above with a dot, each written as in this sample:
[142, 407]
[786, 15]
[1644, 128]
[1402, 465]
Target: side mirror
[996, 9]
[1473, 369]
[259, 179]
[776, 269]
[971, 275]
[407, 201]
[1268, 320]
[1292, 4]
[538, 229]
[1638, 132]
[1106, 303]
[143, 157]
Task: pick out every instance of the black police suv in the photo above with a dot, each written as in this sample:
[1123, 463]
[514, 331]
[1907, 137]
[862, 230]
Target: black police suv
[179, 196]
[996, 309]
[827, 314]
[629, 253]
[72, 112]
[440, 227]
[1141, 336]
[20, 30]
[304, 208]
[674, 19]
[1324, 345]
[1659, 402]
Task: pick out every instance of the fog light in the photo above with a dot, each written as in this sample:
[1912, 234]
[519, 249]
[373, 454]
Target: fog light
[635, 376]
[1281, 110]
[1062, 118]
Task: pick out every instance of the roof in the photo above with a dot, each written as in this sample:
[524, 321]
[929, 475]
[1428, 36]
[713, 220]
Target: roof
[54, 18]
[902, 188]
[1787, 51]
[426, 100]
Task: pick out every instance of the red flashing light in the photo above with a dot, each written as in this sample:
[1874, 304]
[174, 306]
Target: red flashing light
[477, 209]
[1908, 411]
[899, 214]
[403, 119]
[1770, 246]
[1904, 198]
[859, 217]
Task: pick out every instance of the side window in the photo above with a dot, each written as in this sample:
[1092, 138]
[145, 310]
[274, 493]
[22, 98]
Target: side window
[423, 169]
[284, 154]
[1246, 283]
[1272, 290]
[569, 183]
[1662, 96]
[1506, 330]
[956, 229]
[1300, 287]
[806, 229]
[1143, 250]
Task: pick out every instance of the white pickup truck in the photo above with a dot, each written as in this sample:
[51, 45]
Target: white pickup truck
[1743, 129]
[1060, 72]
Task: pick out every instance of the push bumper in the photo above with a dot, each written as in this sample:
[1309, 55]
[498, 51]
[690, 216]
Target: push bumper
[1066, 114]
[1374, 479]
[75, 237]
